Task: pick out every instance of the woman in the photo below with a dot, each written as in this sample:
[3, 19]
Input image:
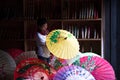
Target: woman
[42, 31]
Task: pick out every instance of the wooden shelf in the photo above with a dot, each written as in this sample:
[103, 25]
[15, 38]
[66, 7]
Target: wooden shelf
[11, 21]
[30, 39]
[19, 40]
[89, 39]
[83, 18]
[80, 20]
[74, 20]
[54, 20]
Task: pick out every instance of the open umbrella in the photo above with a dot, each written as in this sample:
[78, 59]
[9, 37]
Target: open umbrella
[72, 60]
[62, 44]
[56, 63]
[73, 73]
[98, 67]
[25, 55]
[14, 52]
[35, 73]
[89, 54]
[26, 64]
[76, 60]
[7, 66]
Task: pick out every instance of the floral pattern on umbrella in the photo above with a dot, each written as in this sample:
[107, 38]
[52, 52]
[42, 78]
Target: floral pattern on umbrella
[73, 72]
[62, 44]
[99, 67]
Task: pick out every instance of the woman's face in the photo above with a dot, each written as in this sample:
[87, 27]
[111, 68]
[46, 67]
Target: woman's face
[44, 27]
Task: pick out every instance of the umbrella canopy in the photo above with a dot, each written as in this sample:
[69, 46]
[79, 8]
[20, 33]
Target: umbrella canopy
[35, 73]
[73, 73]
[89, 54]
[76, 61]
[98, 66]
[26, 64]
[14, 52]
[72, 60]
[56, 63]
[7, 66]
[25, 55]
[62, 44]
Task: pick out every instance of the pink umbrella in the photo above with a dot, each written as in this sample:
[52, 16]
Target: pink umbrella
[98, 67]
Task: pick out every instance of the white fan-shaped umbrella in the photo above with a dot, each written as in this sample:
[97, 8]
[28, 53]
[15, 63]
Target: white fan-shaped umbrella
[7, 66]
[25, 55]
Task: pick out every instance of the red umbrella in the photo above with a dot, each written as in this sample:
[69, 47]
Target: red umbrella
[98, 66]
[26, 64]
[14, 52]
[36, 73]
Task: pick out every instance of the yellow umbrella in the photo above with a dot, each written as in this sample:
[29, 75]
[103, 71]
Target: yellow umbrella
[62, 44]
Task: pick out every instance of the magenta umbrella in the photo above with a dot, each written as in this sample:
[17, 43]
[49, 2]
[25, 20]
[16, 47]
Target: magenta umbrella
[99, 67]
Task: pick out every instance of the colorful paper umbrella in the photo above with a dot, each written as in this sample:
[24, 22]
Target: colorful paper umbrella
[7, 66]
[76, 61]
[73, 73]
[25, 55]
[77, 57]
[62, 44]
[57, 63]
[98, 67]
[26, 64]
[36, 73]
[89, 54]
[14, 52]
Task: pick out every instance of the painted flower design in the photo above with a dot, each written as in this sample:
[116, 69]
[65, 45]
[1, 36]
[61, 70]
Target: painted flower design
[54, 37]
[89, 64]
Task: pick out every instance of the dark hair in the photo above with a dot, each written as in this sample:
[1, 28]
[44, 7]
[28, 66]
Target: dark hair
[41, 21]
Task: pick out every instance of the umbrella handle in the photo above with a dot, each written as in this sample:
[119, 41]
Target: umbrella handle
[65, 38]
